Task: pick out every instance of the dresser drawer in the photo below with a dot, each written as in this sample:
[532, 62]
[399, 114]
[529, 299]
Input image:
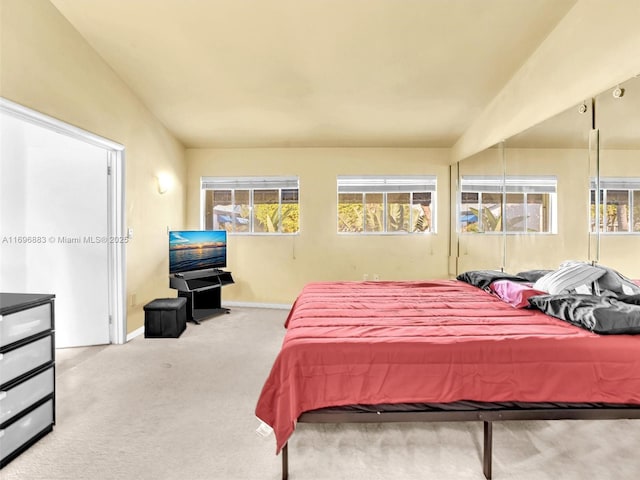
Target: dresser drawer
[16, 399]
[25, 429]
[23, 324]
[21, 360]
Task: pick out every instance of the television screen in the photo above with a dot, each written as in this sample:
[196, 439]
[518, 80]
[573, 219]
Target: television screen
[197, 250]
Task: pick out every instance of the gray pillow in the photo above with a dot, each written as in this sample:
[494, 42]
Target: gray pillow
[616, 282]
[483, 278]
[603, 315]
[633, 299]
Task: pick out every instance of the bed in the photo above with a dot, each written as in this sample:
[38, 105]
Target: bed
[442, 350]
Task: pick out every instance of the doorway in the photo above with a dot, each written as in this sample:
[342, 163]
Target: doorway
[61, 223]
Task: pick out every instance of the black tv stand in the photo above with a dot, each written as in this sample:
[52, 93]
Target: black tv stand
[202, 289]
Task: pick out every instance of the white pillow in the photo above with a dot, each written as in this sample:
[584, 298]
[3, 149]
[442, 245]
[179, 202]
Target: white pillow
[569, 276]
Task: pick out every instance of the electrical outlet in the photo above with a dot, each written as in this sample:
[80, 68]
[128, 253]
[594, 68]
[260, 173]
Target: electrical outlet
[376, 277]
[365, 277]
[133, 300]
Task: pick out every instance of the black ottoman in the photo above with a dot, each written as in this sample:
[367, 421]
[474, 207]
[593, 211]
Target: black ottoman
[165, 317]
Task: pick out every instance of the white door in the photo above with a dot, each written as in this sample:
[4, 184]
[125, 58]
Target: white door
[54, 226]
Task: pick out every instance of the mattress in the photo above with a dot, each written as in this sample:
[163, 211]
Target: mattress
[440, 341]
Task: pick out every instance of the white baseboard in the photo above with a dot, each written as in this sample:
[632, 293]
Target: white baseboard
[135, 333]
[279, 306]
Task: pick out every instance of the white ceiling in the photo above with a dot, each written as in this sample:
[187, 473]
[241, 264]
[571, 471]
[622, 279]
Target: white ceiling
[276, 73]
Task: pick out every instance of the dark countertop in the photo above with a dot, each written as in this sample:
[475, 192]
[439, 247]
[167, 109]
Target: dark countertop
[14, 302]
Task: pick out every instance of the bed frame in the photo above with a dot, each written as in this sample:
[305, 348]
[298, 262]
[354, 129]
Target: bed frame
[487, 416]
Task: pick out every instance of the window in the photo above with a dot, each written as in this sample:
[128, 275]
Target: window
[619, 201]
[528, 204]
[386, 204]
[260, 205]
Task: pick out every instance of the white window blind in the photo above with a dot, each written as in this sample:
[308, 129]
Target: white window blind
[381, 184]
[249, 183]
[617, 183]
[512, 184]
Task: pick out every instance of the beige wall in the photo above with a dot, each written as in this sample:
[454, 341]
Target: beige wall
[48, 66]
[572, 242]
[594, 47]
[571, 167]
[516, 252]
[273, 269]
[479, 252]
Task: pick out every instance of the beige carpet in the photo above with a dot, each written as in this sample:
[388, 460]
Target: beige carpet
[183, 409]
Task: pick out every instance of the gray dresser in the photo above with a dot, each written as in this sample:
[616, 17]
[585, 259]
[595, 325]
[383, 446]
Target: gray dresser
[27, 371]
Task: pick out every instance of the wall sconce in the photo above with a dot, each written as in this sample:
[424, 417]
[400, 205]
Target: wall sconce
[165, 182]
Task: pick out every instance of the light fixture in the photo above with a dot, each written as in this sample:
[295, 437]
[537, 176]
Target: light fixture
[618, 92]
[165, 182]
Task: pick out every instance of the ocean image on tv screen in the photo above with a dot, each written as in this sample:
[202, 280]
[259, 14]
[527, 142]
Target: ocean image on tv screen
[197, 250]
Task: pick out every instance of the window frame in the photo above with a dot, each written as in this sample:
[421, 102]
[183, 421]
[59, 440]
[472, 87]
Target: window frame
[385, 185]
[251, 184]
[546, 185]
[605, 184]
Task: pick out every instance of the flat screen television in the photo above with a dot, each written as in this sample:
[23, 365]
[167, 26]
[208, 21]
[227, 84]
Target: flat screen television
[191, 250]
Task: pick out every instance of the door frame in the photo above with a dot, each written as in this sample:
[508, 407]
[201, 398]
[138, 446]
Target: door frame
[115, 207]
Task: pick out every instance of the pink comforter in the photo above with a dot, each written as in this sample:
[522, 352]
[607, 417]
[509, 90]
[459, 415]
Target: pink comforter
[435, 341]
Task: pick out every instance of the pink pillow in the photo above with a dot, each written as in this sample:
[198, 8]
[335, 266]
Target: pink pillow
[515, 294]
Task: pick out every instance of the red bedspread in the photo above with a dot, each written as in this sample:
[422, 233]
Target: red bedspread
[435, 341]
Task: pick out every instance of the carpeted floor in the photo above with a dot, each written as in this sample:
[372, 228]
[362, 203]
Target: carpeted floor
[183, 409]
